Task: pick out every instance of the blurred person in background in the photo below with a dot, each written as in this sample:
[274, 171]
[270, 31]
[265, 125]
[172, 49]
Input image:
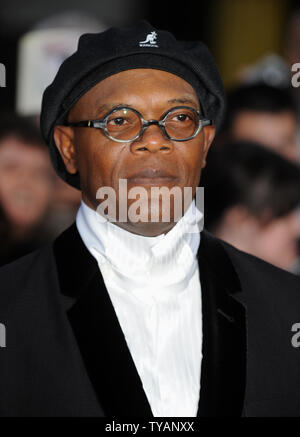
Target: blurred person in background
[263, 114]
[26, 186]
[252, 196]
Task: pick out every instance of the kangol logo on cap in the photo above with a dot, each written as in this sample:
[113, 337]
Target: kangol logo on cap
[150, 40]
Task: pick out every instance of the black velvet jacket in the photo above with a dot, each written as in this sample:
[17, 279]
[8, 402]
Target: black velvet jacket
[66, 354]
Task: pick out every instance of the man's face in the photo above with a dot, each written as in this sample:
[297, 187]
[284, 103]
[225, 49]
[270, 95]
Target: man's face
[277, 131]
[277, 242]
[274, 240]
[26, 182]
[101, 162]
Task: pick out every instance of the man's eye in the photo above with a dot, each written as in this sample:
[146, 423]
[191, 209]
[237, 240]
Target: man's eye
[181, 117]
[119, 121]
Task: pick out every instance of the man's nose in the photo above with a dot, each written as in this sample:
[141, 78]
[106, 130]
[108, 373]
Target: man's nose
[152, 140]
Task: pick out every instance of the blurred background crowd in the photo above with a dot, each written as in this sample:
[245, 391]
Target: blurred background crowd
[252, 178]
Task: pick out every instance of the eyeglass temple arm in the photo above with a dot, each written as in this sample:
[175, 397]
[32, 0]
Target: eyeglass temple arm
[206, 122]
[87, 123]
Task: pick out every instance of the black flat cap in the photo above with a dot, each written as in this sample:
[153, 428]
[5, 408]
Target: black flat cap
[100, 55]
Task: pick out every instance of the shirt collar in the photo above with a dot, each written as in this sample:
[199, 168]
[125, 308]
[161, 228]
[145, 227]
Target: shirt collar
[167, 258]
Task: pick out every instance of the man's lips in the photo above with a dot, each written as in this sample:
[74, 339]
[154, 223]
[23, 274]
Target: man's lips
[151, 176]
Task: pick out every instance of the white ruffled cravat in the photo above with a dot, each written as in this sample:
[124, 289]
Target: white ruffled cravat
[153, 283]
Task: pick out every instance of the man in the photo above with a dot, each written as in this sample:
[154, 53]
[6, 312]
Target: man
[253, 196]
[263, 114]
[26, 186]
[142, 317]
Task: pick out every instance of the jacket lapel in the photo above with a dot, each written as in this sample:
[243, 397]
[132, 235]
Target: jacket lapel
[99, 336]
[223, 372]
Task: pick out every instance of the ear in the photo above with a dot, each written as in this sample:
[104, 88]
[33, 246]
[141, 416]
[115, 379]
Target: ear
[64, 140]
[208, 134]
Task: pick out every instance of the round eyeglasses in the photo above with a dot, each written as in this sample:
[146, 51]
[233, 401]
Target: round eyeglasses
[124, 124]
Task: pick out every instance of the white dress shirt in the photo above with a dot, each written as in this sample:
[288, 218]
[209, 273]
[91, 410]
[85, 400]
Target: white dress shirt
[154, 286]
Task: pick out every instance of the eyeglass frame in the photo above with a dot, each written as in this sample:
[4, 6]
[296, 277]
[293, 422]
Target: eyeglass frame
[102, 123]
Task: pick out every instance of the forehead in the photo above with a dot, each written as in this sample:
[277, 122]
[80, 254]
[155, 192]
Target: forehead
[139, 86]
